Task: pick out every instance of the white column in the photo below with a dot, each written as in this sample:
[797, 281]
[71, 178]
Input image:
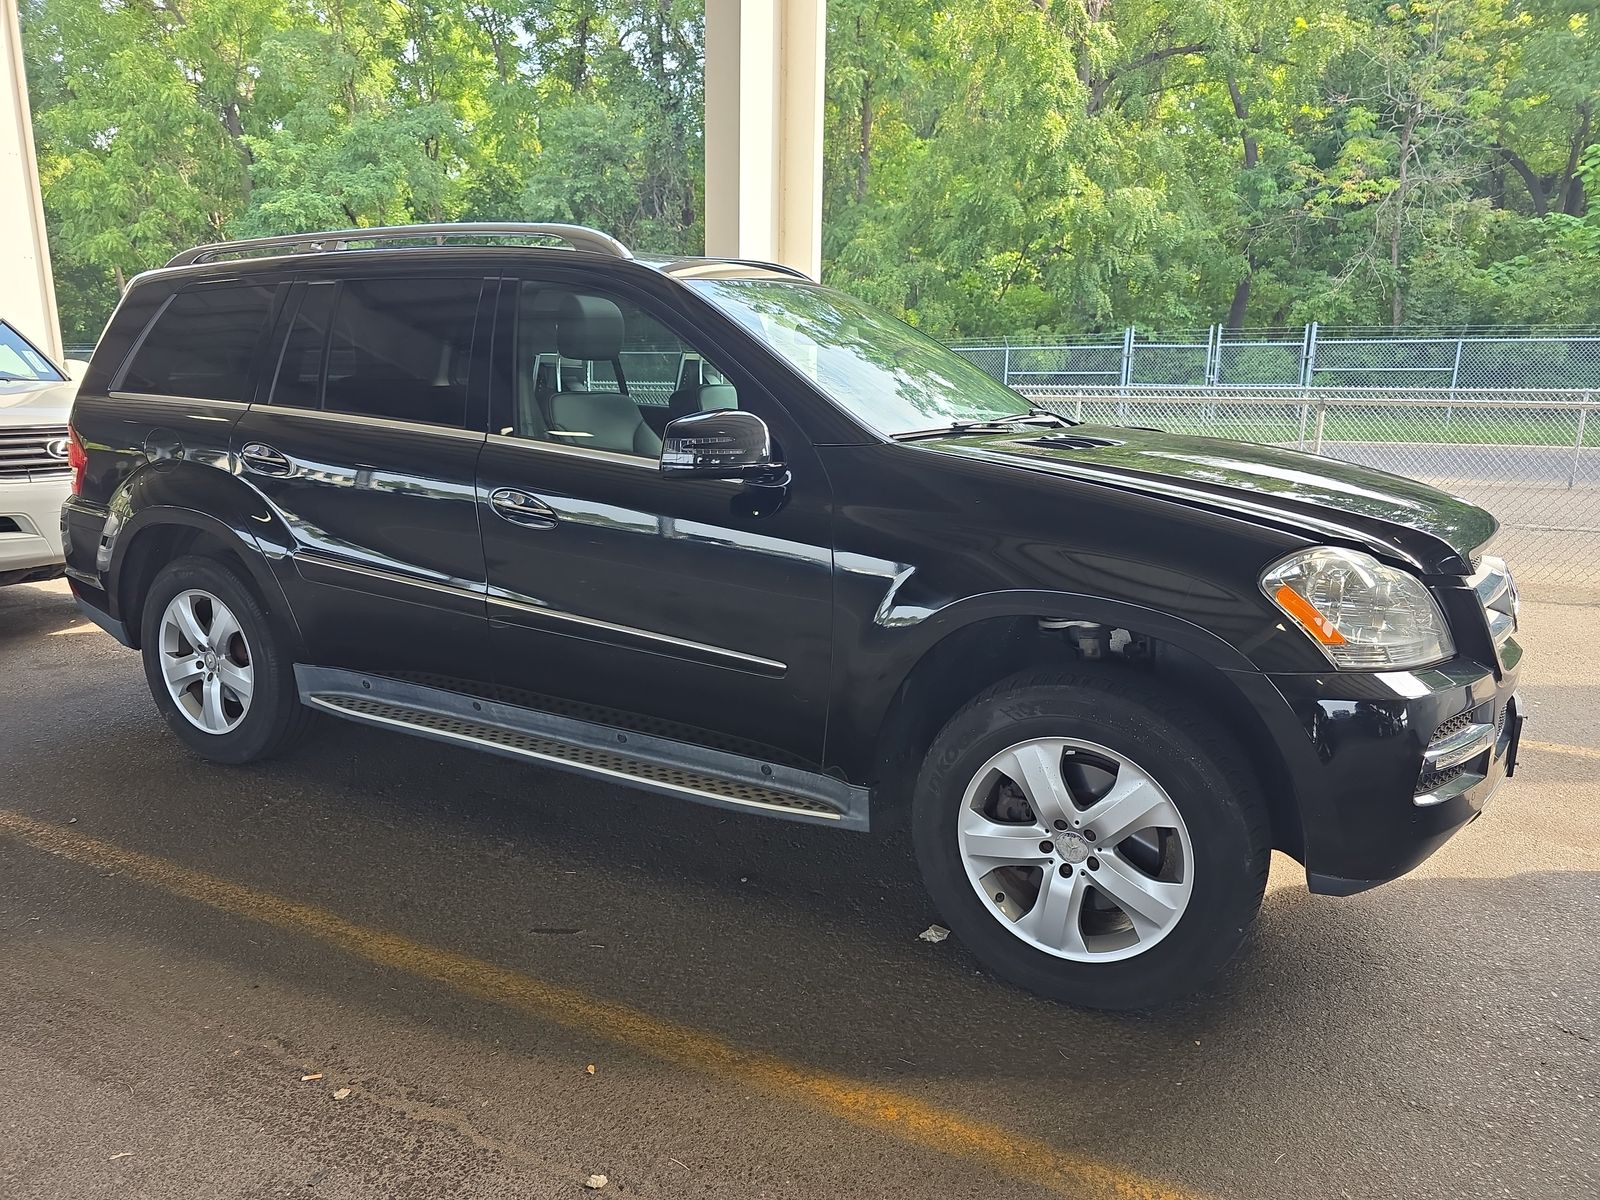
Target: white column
[27, 289]
[764, 78]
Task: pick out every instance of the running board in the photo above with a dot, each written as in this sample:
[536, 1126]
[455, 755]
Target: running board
[655, 764]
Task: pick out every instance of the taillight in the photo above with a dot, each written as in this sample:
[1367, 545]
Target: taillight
[76, 459]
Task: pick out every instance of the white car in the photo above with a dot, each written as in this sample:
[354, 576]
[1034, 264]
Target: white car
[35, 402]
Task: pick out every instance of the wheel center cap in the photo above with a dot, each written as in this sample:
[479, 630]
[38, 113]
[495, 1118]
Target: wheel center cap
[211, 660]
[1073, 847]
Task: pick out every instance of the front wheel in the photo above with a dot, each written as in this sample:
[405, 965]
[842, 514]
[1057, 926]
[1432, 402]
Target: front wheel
[1091, 837]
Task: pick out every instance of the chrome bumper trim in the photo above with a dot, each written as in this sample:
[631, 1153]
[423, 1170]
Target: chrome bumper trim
[1461, 746]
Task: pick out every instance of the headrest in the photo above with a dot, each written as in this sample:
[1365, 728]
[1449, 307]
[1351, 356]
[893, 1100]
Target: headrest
[588, 328]
[539, 321]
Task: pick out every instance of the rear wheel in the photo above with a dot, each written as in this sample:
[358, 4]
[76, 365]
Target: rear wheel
[215, 665]
[1091, 837]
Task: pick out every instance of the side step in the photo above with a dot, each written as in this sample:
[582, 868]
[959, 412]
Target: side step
[654, 764]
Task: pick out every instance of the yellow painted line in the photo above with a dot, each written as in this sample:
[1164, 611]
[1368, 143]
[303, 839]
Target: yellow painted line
[1561, 748]
[880, 1109]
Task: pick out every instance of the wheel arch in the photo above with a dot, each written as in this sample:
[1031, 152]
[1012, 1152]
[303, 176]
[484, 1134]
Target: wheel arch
[157, 535]
[984, 640]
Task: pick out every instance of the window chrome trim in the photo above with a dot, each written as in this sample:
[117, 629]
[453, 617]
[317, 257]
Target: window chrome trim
[612, 456]
[765, 666]
[366, 420]
[162, 398]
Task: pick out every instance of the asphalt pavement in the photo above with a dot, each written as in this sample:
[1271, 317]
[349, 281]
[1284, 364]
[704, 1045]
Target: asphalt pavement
[381, 967]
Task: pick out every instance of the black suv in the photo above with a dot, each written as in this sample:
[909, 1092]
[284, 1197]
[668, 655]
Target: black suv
[709, 528]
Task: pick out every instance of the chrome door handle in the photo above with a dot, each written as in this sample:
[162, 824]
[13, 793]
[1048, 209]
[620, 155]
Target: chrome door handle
[262, 459]
[520, 508]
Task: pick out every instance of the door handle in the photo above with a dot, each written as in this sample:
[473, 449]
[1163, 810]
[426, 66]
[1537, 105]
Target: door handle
[262, 459]
[520, 508]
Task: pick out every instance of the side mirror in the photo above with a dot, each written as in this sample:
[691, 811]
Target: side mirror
[721, 444]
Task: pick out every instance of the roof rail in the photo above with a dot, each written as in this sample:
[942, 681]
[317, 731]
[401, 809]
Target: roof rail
[578, 237]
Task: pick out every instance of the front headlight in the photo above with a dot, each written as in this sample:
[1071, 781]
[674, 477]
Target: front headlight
[1364, 615]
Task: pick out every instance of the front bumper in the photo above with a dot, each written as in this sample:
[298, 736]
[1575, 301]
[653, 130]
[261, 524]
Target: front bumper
[1372, 802]
[30, 524]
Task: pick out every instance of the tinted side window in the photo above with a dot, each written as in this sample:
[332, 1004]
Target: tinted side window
[401, 349]
[299, 379]
[204, 343]
[602, 373]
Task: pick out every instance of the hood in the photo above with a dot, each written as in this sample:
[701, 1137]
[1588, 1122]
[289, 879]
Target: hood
[36, 401]
[1305, 493]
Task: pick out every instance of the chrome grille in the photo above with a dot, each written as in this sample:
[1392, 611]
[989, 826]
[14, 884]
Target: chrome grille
[1455, 752]
[33, 452]
[1497, 592]
[1431, 781]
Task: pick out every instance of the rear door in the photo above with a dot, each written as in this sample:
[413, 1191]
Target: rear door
[367, 448]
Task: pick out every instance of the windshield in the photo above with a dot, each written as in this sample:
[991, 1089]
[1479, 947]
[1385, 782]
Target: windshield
[882, 370]
[19, 360]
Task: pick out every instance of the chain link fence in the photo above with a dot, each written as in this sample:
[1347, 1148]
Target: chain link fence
[1530, 457]
[1309, 356]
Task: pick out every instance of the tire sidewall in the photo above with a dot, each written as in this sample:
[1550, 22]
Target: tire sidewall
[1228, 867]
[273, 697]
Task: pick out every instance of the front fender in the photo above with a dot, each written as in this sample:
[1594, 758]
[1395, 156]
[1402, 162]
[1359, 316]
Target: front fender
[891, 646]
[1074, 606]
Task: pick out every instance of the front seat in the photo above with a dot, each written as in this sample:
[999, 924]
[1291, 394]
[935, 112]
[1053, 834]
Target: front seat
[589, 329]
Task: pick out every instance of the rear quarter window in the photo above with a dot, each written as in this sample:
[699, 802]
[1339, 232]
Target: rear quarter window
[204, 343]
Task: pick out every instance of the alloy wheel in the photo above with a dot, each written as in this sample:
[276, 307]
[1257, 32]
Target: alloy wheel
[206, 661]
[1075, 849]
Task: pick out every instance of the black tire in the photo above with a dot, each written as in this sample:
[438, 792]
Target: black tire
[275, 717]
[1193, 760]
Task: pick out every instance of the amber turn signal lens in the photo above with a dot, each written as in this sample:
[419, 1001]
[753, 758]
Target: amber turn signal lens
[1302, 610]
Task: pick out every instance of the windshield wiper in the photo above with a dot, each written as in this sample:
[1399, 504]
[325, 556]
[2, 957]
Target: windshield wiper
[1034, 416]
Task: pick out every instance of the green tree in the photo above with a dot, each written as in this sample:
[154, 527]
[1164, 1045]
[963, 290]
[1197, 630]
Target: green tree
[992, 167]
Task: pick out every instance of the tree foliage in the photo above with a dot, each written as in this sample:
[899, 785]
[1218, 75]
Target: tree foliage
[1000, 167]
[993, 167]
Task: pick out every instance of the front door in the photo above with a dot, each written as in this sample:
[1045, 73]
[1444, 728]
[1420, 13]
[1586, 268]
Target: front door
[368, 449]
[620, 596]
